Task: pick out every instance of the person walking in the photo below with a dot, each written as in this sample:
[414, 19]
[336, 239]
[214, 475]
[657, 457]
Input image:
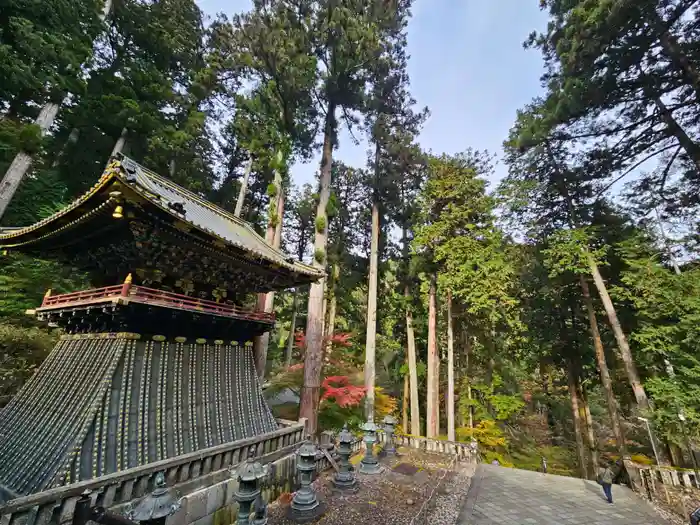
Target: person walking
[605, 478]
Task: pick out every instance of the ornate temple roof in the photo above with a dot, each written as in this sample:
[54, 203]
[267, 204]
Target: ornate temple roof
[119, 219]
[104, 403]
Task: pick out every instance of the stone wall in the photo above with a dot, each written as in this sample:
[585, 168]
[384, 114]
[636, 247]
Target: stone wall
[216, 504]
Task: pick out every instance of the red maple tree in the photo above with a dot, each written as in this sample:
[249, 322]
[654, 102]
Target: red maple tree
[340, 390]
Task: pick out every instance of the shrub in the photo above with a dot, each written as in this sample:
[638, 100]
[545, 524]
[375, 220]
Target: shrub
[487, 433]
[22, 350]
[642, 459]
[384, 404]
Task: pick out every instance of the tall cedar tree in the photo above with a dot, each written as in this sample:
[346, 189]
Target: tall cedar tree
[623, 77]
[148, 77]
[345, 212]
[44, 48]
[297, 237]
[549, 197]
[346, 37]
[409, 165]
[389, 113]
[467, 249]
[282, 68]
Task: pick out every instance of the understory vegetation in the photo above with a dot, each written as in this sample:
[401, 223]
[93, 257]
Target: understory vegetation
[541, 316]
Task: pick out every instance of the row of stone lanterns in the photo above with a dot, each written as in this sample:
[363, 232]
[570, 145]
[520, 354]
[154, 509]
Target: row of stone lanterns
[370, 462]
[305, 507]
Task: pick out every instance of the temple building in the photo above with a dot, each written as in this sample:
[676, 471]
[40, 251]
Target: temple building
[156, 361]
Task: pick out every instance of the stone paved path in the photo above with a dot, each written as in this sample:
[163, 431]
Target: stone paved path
[504, 496]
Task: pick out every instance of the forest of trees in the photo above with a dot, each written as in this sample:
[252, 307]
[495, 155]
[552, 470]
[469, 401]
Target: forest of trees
[542, 316]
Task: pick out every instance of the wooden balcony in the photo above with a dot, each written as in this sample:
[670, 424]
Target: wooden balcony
[127, 293]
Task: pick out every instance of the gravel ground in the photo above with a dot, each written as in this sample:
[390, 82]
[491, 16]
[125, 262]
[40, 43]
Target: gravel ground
[445, 506]
[670, 517]
[436, 490]
[677, 513]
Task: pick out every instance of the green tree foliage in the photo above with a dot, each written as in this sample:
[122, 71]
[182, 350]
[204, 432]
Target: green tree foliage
[24, 345]
[22, 350]
[148, 77]
[459, 228]
[42, 48]
[622, 80]
[667, 308]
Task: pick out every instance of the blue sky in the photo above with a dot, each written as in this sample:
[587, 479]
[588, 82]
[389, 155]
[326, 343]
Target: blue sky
[467, 65]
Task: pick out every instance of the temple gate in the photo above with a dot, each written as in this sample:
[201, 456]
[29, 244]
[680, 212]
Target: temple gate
[157, 361]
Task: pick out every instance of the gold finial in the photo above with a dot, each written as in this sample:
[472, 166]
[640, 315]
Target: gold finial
[48, 293]
[128, 279]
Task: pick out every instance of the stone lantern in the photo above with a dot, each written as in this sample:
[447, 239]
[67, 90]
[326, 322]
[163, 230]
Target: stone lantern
[152, 509]
[389, 427]
[249, 477]
[344, 480]
[474, 447]
[370, 463]
[155, 508]
[305, 506]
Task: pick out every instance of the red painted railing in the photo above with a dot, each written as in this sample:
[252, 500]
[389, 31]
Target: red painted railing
[142, 294]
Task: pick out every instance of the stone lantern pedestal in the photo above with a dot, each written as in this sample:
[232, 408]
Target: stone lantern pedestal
[370, 463]
[389, 427]
[305, 506]
[248, 492]
[345, 480]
